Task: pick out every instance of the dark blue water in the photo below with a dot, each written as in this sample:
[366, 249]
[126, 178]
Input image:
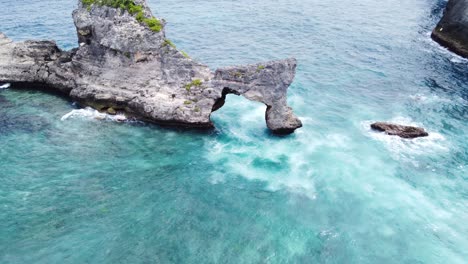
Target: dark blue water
[81, 190]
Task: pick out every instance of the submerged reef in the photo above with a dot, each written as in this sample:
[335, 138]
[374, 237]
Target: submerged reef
[125, 63]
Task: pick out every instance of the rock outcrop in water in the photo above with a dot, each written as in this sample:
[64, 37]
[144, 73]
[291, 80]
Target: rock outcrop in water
[125, 63]
[400, 130]
[452, 30]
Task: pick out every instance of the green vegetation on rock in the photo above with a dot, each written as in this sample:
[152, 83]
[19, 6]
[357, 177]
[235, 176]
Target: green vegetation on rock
[169, 43]
[185, 54]
[194, 83]
[140, 17]
[128, 5]
[135, 9]
[238, 75]
[153, 23]
[111, 111]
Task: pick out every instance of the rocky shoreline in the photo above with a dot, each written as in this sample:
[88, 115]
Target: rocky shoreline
[125, 63]
[452, 30]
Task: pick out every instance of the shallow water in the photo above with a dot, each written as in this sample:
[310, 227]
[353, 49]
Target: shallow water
[87, 190]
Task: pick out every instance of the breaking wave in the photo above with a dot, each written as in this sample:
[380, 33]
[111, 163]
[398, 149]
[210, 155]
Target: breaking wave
[90, 113]
[455, 58]
[5, 86]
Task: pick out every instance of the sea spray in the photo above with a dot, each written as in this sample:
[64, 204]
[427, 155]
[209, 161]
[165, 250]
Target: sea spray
[5, 86]
[90, 113]
[438, 49]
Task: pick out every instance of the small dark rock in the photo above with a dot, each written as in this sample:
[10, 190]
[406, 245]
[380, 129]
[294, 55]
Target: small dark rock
[400, 130]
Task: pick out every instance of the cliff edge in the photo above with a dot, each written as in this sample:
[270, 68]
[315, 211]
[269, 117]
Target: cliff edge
[452, 30]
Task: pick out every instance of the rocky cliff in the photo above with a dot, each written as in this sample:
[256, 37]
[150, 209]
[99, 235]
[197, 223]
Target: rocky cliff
[124, 62]
[452, 30]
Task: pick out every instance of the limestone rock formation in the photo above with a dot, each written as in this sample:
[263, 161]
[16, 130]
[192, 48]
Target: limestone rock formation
[452, 30]
[400, 130]
[125, 63]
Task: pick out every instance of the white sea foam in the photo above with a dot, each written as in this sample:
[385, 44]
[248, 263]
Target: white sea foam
[436, 100]
[89, 113]
[458, 60]
[256, 163]
[268, 162]
[5, 86]
[428, 99]
[399, 147]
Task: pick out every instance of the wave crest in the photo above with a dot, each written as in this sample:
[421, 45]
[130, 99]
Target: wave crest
[5, 86]
[90, 113]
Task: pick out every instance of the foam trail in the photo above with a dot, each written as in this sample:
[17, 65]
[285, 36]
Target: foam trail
[254, 163]
[90, 113]
[428, 99]
[5, 86]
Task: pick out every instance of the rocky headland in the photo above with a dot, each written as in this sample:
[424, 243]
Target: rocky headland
[452, 30]
[124, 63]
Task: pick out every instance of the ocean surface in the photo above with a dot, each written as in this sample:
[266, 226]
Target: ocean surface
[76, 189]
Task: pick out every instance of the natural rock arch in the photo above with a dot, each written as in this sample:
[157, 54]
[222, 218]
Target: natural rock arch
[125, 62]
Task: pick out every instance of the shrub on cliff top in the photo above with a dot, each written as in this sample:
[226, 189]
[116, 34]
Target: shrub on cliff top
[87, 2]
[135, 9]
[153, 23]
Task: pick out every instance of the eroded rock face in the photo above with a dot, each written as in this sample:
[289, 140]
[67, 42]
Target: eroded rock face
[400, 130]
[123, 65]
[452, 30]
[266, 83]
[32, 62]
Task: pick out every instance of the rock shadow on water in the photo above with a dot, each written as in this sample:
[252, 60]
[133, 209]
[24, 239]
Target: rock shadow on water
[456, 110]
[14, 120]
[438, 9]
[195, 131]
[5, 103]
[22, 123]
[436, 86]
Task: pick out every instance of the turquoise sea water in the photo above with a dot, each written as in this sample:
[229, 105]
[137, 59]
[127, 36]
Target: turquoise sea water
[81, 190]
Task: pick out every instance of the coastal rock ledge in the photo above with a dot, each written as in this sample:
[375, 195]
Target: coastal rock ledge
[125, 63]
[452, 30]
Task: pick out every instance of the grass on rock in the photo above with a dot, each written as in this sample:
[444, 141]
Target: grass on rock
[194, 83]
[128, 5]
[169, 43]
